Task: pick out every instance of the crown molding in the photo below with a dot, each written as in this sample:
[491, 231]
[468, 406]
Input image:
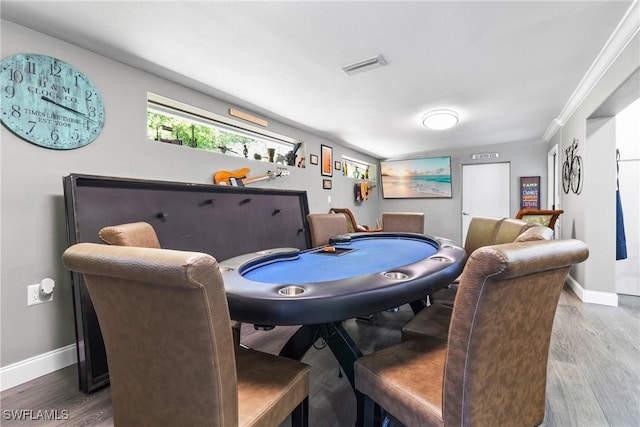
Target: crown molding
[626, 30]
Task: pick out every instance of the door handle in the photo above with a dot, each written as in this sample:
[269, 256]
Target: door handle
[465, 213]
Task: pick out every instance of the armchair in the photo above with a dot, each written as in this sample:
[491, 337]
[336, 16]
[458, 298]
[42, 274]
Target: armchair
[410, 222]
[143, 235]
[491, 370]
[165, 324]
[434, 319]
[324, 226]
[352, 224]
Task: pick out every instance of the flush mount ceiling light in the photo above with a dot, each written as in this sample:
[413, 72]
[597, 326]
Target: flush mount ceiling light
[440, 119]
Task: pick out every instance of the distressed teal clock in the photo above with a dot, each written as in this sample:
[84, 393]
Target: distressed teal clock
[49, 102]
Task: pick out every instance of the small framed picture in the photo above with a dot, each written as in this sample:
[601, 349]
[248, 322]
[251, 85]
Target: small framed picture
[337, 165]
[326, 184]
[326, 159]
[530, 192]
[313, 159]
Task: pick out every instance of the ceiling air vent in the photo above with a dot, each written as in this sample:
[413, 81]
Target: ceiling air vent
[366, 65]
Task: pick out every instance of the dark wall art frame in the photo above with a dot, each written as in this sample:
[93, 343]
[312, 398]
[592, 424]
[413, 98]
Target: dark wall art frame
[529, 192]
[326, 160]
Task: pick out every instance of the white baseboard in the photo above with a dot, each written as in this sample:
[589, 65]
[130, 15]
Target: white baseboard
[592, 297]
[37, 366]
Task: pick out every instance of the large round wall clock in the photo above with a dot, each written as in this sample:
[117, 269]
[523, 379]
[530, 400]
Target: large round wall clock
[48, 102]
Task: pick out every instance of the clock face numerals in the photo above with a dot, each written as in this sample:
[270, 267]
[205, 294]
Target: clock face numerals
[48, 102]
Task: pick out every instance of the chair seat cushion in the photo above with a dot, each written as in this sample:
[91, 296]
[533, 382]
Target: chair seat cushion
[406, 379]
[265, 390]
[432, 321]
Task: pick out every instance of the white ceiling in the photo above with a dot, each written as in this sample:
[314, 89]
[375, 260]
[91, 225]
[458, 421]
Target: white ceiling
[507, 67]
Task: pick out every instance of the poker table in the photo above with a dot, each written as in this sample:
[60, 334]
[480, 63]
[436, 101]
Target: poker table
[355, 275]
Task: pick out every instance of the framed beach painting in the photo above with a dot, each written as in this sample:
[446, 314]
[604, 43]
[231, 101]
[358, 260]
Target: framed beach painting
[428, 178]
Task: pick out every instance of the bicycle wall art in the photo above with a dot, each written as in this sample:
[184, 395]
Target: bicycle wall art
[572, 169]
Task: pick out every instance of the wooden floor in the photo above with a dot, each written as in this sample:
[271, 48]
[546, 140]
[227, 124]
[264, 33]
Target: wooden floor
[593, 376]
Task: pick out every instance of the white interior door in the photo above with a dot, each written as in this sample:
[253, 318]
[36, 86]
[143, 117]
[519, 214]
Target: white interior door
[485, 192]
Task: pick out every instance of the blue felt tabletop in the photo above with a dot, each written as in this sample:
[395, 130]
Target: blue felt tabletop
[370, 255]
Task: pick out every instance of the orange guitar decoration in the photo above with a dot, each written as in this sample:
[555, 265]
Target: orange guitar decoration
[239, 177]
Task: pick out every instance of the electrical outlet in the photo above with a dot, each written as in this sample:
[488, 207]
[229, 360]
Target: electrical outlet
[34, 296]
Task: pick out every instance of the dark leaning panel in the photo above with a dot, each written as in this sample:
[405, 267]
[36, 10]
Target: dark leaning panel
[219, 220]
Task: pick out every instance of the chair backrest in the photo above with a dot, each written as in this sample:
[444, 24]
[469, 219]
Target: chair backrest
[324, 226]
[510, 229]
[500, 332]
[139, 234]
[487, 231]
[352, 224]
[546, 217]
[539, 232]
[410, 222]
[482, 232]
[162, 371]
[143, 235]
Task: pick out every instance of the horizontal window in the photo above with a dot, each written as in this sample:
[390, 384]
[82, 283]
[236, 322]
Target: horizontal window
[354, 168]
[170, 121]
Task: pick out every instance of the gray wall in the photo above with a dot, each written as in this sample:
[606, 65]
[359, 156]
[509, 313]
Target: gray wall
[444, 216]
[32, 212]
[590, 216]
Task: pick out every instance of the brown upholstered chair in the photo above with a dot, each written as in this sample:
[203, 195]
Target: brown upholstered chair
[410, 222]
[538, 232]
[140, 234]
[165, 322]
[352, 224]
[510, 229]
[324, 226]
[491, 371]
[486, 231]
[546, 217]
[434, 320]
[482, 231]
[143, 235]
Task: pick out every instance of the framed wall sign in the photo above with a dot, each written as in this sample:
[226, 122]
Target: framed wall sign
[326, 160]
[326, 184]
[530, 192]
[313, 159]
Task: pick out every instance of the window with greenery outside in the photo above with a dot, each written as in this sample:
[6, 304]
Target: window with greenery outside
[206, 134]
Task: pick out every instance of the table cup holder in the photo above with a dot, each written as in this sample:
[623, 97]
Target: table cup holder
[396, 275]
[292, 291]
